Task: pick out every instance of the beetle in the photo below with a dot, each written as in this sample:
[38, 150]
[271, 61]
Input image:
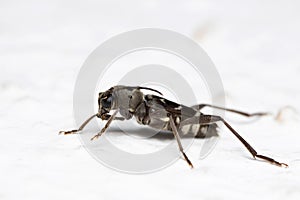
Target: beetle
[162, 114]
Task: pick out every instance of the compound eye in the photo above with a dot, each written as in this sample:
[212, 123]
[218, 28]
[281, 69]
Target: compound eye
[106, 103]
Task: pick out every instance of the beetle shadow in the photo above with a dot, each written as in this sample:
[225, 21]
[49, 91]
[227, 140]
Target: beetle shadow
[160, 135]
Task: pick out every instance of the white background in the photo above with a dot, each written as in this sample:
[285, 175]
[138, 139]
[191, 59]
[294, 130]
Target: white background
[254, 45]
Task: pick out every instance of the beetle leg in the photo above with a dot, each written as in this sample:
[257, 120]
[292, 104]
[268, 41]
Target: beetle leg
[104, 117]
[80, 128]
[110, 119]
[175, 132]
[208, 119]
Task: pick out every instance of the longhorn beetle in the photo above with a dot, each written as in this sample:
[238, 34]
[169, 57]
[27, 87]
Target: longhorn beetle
[160, 113]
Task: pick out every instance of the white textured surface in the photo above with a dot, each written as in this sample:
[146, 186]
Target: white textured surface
[254, 44]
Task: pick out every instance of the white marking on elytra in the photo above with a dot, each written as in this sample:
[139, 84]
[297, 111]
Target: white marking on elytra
[177, 120]
[178, 108]
[203, 129]
[165, 119]
[163, 101]
[195, 128]
[185, 129]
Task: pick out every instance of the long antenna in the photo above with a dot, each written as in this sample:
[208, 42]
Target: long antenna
[146, 88]
[135, 87]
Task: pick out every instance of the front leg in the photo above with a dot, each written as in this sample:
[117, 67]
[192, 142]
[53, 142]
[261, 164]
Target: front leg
[111, 118]
[80, 128]
[103, 117]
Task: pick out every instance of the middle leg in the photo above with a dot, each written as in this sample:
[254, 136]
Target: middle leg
[175, 132]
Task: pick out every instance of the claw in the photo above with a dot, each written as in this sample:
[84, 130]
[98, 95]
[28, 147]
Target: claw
[68, 132]
[272, 161]
[284, 165]
[95, 137]
[281, 164]
[262, 114]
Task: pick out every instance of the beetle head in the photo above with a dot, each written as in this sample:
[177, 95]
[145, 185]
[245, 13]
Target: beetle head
[105, 102]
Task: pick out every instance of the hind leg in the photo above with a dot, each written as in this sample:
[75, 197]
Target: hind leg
[209, 119]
